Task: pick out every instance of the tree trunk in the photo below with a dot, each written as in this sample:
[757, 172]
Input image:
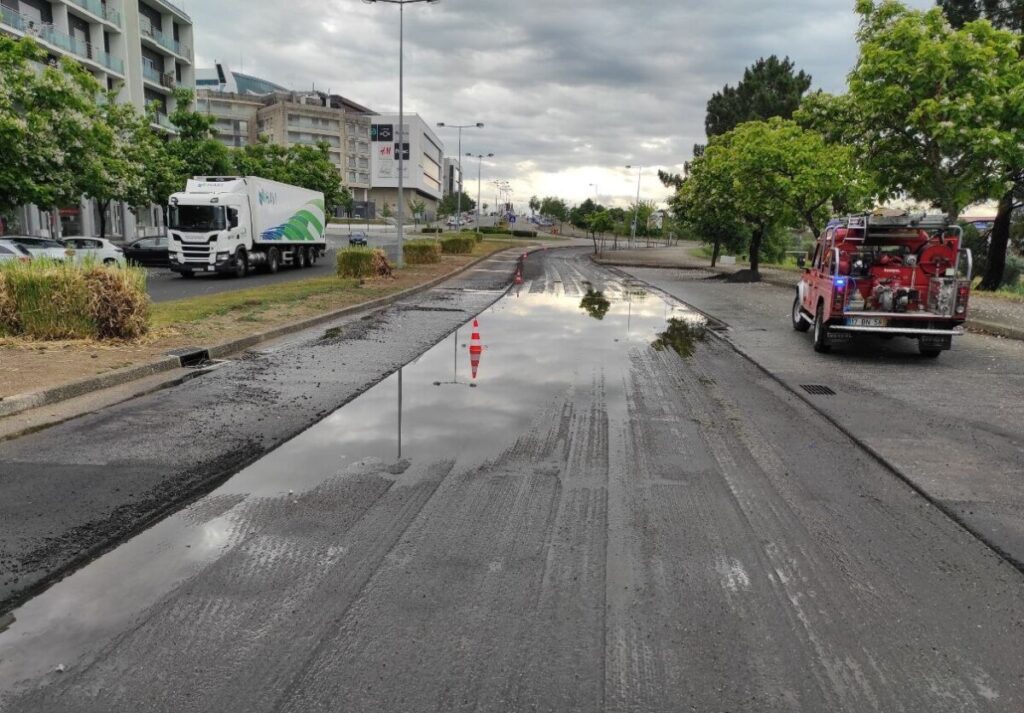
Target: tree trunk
[755, 252]
[715, 252]
[595, 242]
[813, 225]
[104, 206]
[993, 278]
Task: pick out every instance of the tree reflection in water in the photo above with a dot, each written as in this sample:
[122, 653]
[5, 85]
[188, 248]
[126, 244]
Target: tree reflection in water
[681, 336]
[595, 303]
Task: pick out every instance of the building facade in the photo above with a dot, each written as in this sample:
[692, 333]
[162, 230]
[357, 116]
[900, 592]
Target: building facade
[424, 159]
[452, 176]
[142, 49]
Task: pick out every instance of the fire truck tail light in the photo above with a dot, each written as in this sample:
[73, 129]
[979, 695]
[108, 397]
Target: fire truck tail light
[963, 294]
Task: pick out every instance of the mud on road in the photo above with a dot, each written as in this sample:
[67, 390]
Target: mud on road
[620, 515]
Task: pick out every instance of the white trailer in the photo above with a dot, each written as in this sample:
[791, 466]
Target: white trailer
[232, 225]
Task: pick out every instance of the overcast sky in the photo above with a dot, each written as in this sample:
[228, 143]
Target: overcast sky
[570, 90]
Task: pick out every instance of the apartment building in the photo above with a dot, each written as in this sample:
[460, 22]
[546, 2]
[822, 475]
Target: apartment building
[140, 48]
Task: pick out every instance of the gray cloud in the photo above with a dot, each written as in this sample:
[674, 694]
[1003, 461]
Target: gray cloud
[570, 92]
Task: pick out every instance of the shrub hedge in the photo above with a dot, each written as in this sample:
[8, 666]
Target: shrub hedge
[524, 233]
[47, 300]
[431, 230]
[355, 262]
[490, 230]
[458, 244]
[422, 252]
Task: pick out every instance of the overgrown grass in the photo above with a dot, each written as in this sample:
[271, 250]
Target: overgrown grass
[47, 300]
[458, 245]
[422, 252]
[355, 262]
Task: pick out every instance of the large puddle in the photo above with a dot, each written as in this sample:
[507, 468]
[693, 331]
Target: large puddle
[453, 403]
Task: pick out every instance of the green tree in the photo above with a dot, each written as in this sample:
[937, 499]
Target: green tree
[417, 207]
[385, 211]
[534, 204]
[600, 222]
[196, 149]
[114, 169]
[768, 176]
[450, 204]
[704, 206]
[770, 87]
[48, 120]
[310, 167]
[1008, 14]
[556, 208]
[940, 108]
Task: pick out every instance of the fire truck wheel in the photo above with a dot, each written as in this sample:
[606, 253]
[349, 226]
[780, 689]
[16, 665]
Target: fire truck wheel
[821, 344]
[799, 323]
[928, 352]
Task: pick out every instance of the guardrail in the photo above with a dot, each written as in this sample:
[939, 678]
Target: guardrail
[51, 35]
[100, 10]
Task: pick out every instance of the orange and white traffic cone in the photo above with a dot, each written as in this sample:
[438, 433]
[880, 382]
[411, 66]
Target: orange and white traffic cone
[475, 349]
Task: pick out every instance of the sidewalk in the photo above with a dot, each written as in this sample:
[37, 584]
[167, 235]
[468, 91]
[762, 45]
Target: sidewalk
[992, 315]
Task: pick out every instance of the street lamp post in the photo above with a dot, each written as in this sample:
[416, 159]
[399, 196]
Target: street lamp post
[400, 220]
[479, 174]
[636, 212]
[460, 127]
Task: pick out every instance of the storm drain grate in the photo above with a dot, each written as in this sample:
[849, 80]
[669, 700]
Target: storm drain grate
[817, 389]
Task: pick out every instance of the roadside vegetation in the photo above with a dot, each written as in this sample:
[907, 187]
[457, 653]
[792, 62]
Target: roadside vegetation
[47, 300]
[63, 143]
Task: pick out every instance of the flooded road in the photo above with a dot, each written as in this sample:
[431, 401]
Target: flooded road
[600, 508]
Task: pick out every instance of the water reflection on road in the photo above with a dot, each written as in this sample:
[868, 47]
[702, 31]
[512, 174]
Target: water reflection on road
[536, 345]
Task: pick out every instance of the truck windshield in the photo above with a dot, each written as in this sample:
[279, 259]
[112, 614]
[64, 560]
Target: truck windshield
[197, 218]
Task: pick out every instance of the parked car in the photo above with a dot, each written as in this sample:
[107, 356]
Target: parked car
[98, 250]
[148, 252]
[41, 247]
[10, 251]
[358, 238]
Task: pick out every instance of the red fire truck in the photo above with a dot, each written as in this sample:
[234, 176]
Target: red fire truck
[888, 273]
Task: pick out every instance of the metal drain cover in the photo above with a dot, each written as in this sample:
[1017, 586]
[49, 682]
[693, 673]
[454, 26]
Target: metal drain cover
[817, 389]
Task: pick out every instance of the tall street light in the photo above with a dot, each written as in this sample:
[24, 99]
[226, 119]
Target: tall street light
[401, 117]
[636, 213]
[460, 127]
[479, 173]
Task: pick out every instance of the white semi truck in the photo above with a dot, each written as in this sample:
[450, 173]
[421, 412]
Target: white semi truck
[234, 225]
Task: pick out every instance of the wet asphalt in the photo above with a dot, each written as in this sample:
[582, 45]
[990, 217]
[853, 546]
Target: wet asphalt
[615, 512]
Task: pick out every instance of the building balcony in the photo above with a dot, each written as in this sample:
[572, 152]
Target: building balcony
[100, 10]
[159, 38]
[154, 76]
[50, 35]
[162, 121]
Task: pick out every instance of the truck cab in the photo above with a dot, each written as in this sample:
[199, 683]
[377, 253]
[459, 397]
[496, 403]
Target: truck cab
[207, 232]
[887, 273]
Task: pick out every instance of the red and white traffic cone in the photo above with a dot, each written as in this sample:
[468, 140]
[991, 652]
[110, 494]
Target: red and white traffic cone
[476, 349]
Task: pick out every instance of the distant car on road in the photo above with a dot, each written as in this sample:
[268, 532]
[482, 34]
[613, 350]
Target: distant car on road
[9, 252]
[98, 250]
[41, 247]
[148, 252]
[358, 238]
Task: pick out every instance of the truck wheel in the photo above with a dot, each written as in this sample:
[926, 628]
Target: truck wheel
[241, 264]
[928, 352]
[302, 258]
[821, 344]
[314, 255]
[273, 261]
[188, 274]
[799, 323]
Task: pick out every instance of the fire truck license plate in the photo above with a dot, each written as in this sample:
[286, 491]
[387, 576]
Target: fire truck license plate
[867, 322]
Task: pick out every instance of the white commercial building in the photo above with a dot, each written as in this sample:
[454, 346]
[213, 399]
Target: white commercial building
[141, 48]
[424, 157]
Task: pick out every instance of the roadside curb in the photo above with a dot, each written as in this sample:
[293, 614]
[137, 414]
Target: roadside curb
[977, 326]
[19, 403]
